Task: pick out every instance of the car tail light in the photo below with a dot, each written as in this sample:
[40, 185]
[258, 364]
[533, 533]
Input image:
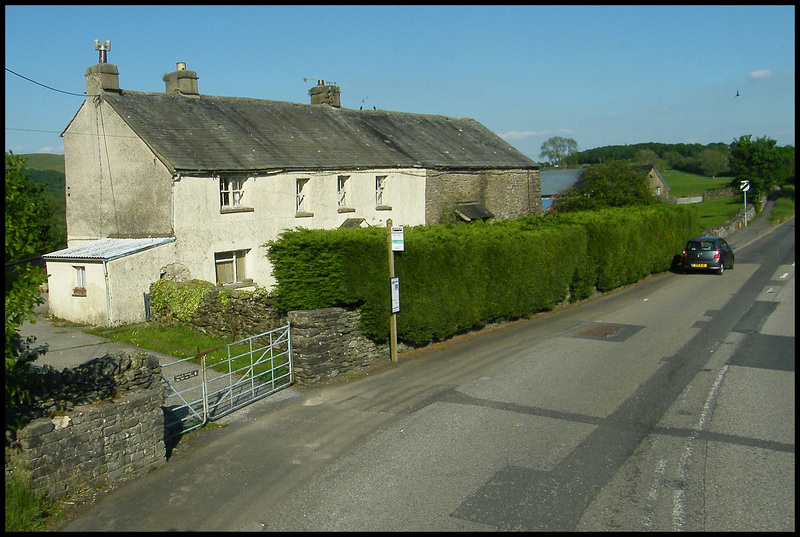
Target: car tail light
[716, 254]
[684, 254]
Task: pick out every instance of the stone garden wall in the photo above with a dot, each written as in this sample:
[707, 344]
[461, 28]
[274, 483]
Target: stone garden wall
[327, 342]
[230, 313]
[97, 423]
[719, 193]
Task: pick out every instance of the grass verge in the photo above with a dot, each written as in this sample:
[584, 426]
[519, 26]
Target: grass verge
[183, 342]
[784, 205]
[26, 510]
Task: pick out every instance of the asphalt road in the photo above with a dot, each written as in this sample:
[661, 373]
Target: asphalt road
[667, 405]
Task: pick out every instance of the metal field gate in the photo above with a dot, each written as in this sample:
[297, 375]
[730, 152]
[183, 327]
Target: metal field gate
[216, 382]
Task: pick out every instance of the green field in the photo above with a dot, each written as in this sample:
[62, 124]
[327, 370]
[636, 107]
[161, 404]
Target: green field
[44, 161]
[682, 184]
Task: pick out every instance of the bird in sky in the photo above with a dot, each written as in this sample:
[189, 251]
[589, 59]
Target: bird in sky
[737, 93]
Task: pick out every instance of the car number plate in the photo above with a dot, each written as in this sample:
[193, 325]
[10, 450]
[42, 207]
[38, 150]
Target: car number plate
[699, 265]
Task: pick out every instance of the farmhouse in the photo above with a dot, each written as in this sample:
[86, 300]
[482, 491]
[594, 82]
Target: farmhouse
[188, 186]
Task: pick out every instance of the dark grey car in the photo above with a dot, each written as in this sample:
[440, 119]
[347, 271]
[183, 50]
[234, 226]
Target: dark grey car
[707, 253]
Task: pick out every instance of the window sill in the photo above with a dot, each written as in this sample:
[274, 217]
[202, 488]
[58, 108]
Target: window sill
[345, 210]
[247, 283]
[79, 293]
[303, 214]
[383, 207]
[228, 210]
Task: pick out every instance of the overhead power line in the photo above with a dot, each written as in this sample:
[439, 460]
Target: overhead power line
[48, 87]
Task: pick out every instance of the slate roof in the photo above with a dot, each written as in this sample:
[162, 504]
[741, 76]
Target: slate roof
[554, 181]
[473, 211]
[209, 133]
[106, 249]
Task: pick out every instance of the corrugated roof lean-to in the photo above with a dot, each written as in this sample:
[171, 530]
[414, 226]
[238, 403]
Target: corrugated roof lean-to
[106, 249]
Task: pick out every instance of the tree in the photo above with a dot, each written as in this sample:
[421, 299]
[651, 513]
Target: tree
[28, 213]
[557, 150]
[645, 157]
[787, 158]
[27, 221]
[758, 162]
[616, 184]
[713, 161]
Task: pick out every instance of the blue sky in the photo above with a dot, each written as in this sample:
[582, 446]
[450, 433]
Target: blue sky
[601, 75]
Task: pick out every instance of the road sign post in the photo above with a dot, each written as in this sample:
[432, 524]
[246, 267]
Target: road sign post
[395, 239]
[745, 186]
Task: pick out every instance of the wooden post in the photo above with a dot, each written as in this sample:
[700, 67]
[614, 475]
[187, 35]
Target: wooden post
[393, 319]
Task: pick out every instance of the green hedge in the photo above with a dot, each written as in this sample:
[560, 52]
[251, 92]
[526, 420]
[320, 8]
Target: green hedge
[455, 278]
[458, 278]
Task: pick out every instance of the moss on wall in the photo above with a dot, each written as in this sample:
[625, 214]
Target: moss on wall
[180, 300]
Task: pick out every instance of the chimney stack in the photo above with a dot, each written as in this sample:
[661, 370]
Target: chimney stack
[102, 76]
[181, 81]
[325, 94]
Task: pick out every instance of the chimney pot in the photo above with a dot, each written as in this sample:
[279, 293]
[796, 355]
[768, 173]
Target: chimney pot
[181, 81]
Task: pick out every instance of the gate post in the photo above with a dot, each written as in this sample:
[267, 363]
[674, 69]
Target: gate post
[205, 388]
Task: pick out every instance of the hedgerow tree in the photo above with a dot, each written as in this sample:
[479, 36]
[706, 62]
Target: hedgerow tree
[758, 162]
[558, 149]
[27, 221]
[713, 161]
[616, 184]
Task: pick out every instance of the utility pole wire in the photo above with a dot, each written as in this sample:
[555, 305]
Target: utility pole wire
[48, 87]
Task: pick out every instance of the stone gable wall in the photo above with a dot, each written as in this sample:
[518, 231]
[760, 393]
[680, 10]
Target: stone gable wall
[508, 194]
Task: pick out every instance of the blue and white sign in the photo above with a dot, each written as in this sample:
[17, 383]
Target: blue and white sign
[395, 295]
[398, 240]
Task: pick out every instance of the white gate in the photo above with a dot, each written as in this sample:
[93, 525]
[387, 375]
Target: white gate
[218, 381]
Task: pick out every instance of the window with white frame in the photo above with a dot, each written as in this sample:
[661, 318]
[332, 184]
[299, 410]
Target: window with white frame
[231, 191]
[230, 266]
[341, 189]
[80, 281]
[380, 187]
[302, 190]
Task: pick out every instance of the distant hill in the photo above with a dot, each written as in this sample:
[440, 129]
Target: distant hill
[48, 169]
[45, 161]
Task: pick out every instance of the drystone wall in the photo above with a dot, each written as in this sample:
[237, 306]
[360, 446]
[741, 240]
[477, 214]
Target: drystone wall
[718, 193]
[327, 342]
[732, 225]
[97, 423]
[230, 314]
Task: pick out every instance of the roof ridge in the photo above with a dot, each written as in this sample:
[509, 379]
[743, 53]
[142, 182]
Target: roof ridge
[201, 97]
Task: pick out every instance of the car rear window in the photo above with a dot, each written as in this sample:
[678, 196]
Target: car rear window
[701, 246]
